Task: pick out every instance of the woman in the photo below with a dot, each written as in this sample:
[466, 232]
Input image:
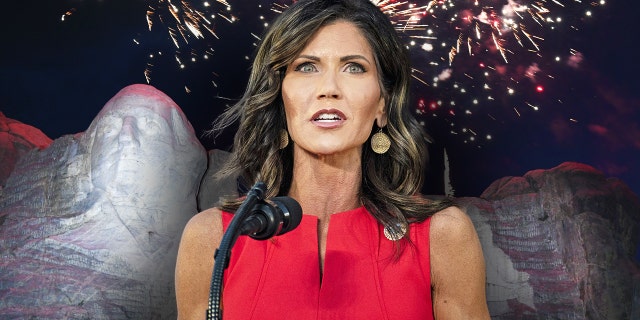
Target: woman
[325, 120]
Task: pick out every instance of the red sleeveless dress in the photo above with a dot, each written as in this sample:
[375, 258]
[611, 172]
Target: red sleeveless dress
[280, 278]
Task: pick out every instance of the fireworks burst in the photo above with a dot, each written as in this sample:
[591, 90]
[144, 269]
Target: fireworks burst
[470, 57]
[484, 57]
[190, 28]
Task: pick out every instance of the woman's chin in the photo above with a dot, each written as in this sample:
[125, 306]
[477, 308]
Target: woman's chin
[329, 149]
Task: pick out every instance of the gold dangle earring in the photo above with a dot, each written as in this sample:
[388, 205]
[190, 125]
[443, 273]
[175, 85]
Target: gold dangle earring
[380, 142]
[284, 139]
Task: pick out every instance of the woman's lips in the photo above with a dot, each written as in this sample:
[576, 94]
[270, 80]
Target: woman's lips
[331, 118]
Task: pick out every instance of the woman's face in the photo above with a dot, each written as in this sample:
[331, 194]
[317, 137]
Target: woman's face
[331, 92]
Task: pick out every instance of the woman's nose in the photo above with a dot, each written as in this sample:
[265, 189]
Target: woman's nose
[329, 86]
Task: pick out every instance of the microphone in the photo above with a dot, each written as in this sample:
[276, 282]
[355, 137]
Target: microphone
[271, 218]
[260, 219]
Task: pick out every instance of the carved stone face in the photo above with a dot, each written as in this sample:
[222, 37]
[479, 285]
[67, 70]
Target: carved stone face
[137, 139]
[106, 206]
[142, 150]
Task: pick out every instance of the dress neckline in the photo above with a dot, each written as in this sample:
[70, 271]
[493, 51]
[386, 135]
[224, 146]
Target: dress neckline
[341, 214]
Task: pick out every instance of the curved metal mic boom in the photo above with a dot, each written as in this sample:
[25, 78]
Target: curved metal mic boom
[260, 219]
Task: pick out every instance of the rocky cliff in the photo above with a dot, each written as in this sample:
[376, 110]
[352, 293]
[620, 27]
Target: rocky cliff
[559, 244]
[89, 226]
[90, 223]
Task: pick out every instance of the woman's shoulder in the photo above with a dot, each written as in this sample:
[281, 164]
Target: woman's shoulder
[452, 231]
[203, 231]
[208, 215]
[451, 225]
[206, 224]
[457, 266]
[200, 238]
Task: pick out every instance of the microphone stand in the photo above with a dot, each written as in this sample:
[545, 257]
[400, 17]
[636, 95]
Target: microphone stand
[223, 253]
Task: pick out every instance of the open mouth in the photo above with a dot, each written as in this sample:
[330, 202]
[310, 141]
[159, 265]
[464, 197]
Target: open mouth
[328, 116]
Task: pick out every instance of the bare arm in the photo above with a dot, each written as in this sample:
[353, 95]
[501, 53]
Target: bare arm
[200, 238]
[457, 267]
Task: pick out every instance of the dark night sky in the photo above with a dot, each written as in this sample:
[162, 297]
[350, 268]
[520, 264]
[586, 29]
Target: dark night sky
[57, 75]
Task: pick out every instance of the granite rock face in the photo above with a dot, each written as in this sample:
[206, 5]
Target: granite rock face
[214, 189]
[562, 245]
[89, 226]
[17, 139]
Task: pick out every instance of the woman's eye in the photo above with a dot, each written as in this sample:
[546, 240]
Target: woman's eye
[355, 68]
[306, 67]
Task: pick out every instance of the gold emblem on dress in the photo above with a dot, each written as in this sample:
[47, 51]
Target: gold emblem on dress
[393, 235]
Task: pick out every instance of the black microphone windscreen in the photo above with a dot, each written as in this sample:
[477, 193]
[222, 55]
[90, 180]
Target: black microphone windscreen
[292, 211]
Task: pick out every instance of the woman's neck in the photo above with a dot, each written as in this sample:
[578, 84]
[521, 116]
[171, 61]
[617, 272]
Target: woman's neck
[324, 185]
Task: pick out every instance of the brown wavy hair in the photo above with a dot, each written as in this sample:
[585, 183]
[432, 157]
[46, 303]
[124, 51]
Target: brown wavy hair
[390, 182]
